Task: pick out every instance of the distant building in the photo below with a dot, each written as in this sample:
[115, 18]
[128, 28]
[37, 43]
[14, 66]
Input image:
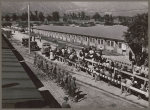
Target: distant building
[105, 37]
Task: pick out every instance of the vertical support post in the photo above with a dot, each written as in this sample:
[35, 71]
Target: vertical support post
[29, 26]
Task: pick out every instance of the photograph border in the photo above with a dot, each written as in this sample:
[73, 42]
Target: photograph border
[78, 1]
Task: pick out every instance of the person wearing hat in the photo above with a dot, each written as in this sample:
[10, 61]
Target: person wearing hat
[73, 88]
[54, 71]
[50, 70]
[46, 67]
[58, 76]
[65, 103]
[65, 80]
[62, 74]
[108, 74]
[123, 88]
[35, 59]
[129, 83]
[69, 84]
[41, 64]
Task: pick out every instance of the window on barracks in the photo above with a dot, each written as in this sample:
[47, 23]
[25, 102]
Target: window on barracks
[98, 41]
[120, 45]
[93, 40]
[112, 43]
[102, 42]
[108, 42]
[86, 38]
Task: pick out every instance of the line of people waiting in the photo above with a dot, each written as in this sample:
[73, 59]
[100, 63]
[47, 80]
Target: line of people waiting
[59, 76]
[107, 69]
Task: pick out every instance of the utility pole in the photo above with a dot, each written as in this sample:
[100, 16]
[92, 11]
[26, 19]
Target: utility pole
[29, 26]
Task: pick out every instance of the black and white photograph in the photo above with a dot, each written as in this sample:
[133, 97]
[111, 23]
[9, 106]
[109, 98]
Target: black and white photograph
[73, 54]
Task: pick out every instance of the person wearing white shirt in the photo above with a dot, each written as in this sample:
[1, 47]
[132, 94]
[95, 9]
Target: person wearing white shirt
[128, 85]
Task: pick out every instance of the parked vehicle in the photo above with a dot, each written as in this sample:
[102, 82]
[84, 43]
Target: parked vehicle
[25, 42]
[33, 44]
[45, 48]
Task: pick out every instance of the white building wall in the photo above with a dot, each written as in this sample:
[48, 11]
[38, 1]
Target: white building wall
[87, 40]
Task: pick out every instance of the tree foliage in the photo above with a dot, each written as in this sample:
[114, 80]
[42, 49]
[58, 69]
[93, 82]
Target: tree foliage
[96, 16]
[55, 16]
[108, 19]
[137, 34]
[24, 16]
[7, 17]
[14, 17]
[41, 16]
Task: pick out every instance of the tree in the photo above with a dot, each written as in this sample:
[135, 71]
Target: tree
[6, 24]
[137, 34]
[96, 16]
[24, 16]
[32, 16]
[7, 17]
[65, 17]
[49, 18]
[83, 15]
[55, 16]
[14, 17]
[108, 19]
[41, 16]
[36, 15]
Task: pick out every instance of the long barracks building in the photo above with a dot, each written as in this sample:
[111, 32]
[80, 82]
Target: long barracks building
[106, 37]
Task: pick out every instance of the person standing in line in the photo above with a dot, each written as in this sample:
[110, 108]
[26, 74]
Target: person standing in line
[123, 87]
[30, 38]
[128, 85]
[54, 71]
[34, 38]
[40, 38]
[50, 70]
[38, 63]
[35, 59]
[46, 67]
[69, 84]
[107, 73]
[58, 76]
[73, 88]
[41, 63]
[66, 82]
[62, 78]
[51, 55]
[65, 103]
[62, 74]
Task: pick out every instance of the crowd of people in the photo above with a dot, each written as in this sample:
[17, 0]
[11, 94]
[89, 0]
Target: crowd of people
[59, 75]
[104, 67]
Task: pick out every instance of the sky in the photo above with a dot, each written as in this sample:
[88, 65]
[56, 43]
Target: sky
[129, 8]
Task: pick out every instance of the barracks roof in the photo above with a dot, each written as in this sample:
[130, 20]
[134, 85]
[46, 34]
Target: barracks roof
[115, 32]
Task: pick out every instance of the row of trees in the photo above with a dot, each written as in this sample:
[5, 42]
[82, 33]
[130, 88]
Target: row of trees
[55, 16]
[34, 16]
[137, 37]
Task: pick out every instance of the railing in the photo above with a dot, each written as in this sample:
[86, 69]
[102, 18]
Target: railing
[127, 73]
[61, 59]
[126, 64]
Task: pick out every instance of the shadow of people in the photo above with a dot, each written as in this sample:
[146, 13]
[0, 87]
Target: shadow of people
[80, 96]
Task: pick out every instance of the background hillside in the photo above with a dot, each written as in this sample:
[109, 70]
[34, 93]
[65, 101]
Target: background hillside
[116, 8]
